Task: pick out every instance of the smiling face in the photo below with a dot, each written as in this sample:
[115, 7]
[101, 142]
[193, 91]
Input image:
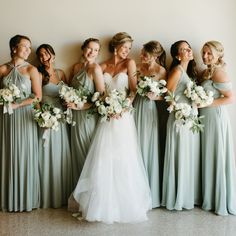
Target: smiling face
[45, 57]
[185, 52]
[23, 49]
[123, 50]
[208, 57]
[91, 51]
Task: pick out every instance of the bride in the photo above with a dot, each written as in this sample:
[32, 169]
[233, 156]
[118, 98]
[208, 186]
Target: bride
[113, 186]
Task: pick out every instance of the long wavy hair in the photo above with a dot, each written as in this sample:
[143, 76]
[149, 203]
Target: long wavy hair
[174, 51]
[41, 67]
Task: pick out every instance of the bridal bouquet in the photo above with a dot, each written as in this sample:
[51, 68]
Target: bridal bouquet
[110, 105]
[48, 116]
[147, 85]
[9, 95]
[185, 114]
[198, 95]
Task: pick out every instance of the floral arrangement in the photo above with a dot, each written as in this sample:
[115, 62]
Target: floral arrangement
[48, 116]
[147, 85]
[198, 95]
[185, 114]
[78, 96]
[8, 95]
[110, 105]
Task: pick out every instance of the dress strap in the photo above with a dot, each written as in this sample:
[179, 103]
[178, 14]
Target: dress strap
[58, 76]
[18, 66]
[225, 86]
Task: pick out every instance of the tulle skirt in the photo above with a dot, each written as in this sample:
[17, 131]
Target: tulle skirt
[113, 186]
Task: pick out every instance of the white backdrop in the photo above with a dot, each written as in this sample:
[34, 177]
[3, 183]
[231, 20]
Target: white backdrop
[65, 24]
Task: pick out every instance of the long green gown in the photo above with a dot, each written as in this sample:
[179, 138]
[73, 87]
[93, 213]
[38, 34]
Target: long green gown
[218, 158]
[146, 120]
[19, 176]
[82, 132]
[54, 157]
[181, 177]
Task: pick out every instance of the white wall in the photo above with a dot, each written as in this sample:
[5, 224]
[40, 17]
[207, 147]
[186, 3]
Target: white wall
[65, 24]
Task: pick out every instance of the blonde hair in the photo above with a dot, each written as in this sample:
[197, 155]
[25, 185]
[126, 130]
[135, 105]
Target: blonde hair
[119, 39]
[217, 50]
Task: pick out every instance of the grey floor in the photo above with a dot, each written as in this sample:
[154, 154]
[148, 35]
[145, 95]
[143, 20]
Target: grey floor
[161, 222]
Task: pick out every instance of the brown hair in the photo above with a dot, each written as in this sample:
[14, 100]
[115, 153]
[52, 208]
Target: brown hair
[14, 41]
[155, 49]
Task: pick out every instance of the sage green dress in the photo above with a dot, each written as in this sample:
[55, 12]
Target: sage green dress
[82, 132]
[181, 177]
[218, 158]
[54, 157]
[146, 120]
[19, 176]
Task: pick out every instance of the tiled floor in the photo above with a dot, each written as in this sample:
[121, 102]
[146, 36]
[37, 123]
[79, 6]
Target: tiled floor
[161, 222]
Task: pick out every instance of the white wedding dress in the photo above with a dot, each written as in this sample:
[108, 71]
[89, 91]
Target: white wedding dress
[113, 186]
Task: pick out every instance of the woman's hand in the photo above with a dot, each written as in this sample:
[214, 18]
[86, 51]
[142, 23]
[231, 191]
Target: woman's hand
[153, 97]
[15, 105]
[73, 106]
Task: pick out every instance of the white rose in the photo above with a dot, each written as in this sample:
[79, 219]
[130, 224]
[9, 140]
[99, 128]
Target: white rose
[102, 110]
[46, 115]
[95, 96]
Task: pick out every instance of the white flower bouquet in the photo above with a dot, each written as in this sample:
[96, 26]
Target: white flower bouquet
[48, 116]
[78, 96]
[147, 85]
[185, 114]
[8, 95]
[110, 105]
[198, 95]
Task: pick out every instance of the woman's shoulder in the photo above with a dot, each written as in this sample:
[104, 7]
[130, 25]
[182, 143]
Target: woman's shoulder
[220, 75]
[177, 70]
[160, 70]
[31, 68]
[130, 61]
[76, 67]
[3, 68]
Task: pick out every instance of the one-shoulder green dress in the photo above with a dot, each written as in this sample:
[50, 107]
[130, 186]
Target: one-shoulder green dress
[82, 132]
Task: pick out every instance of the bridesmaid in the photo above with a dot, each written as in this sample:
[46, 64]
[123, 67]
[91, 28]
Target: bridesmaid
[146, 115]
[54, 156]
[87, 74]
[19, 179]
[218, 158]
[181, 177]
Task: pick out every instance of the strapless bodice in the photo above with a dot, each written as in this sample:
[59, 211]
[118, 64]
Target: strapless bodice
[119, 81]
